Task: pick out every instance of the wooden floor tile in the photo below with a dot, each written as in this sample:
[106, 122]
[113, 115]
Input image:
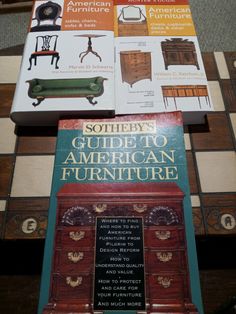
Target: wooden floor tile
[33, 204]
[229, 93]
[218, 287]
[210, 66]
[230, 58]
[7, 93]
[19, 294]
[2, 223]
[216, 136]
[191, 173]
[25, 225]
[219, 199]
[198, 222]
[6, 170]
[36, 145]
[220, 220]
[216, 171]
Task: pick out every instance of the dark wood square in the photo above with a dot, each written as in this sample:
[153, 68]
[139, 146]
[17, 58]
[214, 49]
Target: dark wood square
[218, 286]
[230, 58]
[218, 199]
[228, 88]
[220, 220]
[6, 170]
[36, 140]
[33, 204]
[191, 173]
[210, 66]
[198, 221]
[36, 145]
[2, 219]
[7, 93]
[25, 224]
[19, 294]
[215, 135]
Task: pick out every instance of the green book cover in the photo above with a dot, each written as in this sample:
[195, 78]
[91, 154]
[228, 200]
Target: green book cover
[131, 155]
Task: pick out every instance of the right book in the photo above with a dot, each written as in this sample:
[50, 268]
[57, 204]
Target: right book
[120, 232]
[158, 62]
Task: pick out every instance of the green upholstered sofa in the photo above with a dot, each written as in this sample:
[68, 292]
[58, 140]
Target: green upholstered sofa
[68, 87]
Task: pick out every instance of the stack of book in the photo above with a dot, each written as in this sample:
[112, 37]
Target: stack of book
[120, 79]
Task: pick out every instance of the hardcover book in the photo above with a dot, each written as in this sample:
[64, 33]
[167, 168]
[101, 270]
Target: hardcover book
[120, 233]
[68, 63]
[73, 65]
[159, 66]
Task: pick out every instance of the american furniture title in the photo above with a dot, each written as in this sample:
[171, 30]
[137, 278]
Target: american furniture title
[120, 152]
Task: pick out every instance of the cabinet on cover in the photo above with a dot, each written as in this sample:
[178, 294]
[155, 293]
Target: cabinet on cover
[178, 51]
[160, 205]
[135, 66]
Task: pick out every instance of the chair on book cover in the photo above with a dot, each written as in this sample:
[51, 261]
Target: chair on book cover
[45, 46]
[132, 22]
[46, 16]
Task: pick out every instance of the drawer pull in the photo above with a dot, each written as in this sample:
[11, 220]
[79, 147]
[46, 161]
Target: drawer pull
[100, 208]
[164, 256]
[77, 235]
[162, 235]
[73, 283]
[75, 257]
[140, 208]
[164, 281]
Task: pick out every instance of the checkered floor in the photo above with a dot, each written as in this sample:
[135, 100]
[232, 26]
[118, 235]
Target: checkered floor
[27, 155]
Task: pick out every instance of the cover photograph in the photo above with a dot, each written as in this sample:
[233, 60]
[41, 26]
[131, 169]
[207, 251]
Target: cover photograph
[158, 62]
[120, 232]
[65, 69]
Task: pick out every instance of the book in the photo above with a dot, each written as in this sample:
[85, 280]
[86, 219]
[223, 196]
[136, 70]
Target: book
[159, 66]
[65, 68]
[120, 232]
[103, 59]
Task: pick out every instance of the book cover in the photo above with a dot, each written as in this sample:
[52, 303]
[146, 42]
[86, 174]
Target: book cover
[120, 233]
[73, 65]
[159, 66]
[65, 68]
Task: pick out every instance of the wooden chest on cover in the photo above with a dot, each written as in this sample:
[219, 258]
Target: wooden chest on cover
[135, 66]
[159, 205]
[178, 51]
[132, 22]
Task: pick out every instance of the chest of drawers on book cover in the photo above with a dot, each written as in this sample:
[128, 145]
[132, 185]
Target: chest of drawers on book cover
[160, 205]
[135, 66]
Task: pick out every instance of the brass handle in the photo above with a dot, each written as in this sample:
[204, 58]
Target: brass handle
[77, 235]
[165, 282]
[75, 257]
[73, 283]
[164, 256]
[100, 208]
[162, 235]
[140, 208]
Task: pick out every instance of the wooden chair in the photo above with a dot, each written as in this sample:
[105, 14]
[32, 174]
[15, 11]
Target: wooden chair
[47, 12]
[45, 46]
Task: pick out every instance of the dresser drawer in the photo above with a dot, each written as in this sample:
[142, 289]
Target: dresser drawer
[140, 59]
[169, 237]
[75, 237]
[164, 260]
[166, 286]
[74, 260]
[141, 69]
[132, 29]
[68, 287]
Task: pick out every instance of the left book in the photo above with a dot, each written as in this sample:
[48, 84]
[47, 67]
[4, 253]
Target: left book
[65, 69]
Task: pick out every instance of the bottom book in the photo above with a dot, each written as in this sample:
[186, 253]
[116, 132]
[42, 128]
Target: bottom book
[120, 234]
